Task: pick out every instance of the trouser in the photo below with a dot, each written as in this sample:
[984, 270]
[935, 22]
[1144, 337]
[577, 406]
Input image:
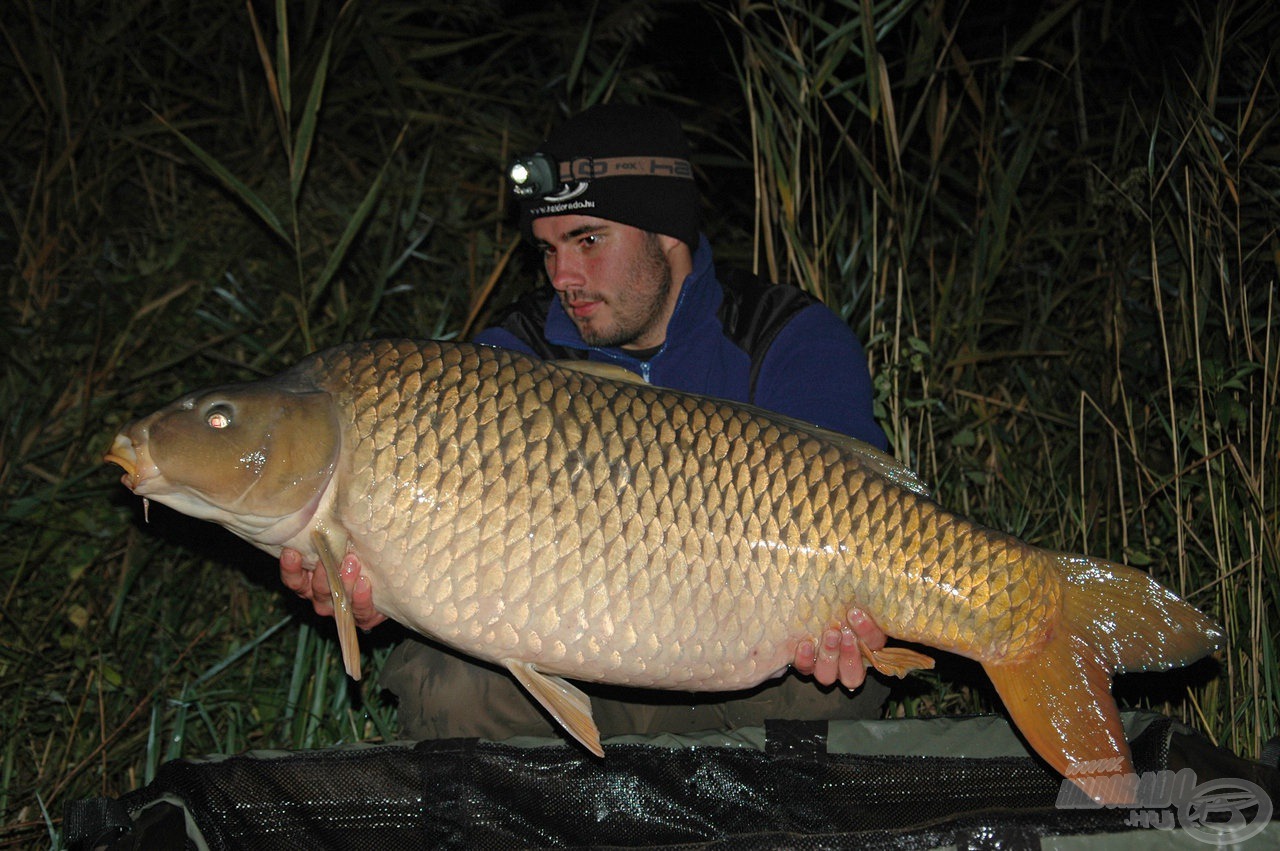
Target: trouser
[444, 695]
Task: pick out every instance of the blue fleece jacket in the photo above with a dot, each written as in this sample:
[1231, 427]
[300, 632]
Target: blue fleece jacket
[814, 370]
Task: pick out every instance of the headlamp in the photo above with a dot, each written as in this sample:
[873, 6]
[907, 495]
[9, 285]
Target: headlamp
[533, 175]
[540, 175]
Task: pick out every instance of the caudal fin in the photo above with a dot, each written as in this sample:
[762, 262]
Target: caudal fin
[1113, 619]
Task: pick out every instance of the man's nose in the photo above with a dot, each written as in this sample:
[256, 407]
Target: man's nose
[563, 272]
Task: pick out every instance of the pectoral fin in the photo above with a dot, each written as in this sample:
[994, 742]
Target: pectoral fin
[566, 702]
[343, 617]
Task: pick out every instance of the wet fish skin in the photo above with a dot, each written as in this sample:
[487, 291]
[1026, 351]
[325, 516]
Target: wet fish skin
[590, 486]
[568, 524]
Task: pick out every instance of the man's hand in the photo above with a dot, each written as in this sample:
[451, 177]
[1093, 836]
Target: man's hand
[839, 656]
[313, 585]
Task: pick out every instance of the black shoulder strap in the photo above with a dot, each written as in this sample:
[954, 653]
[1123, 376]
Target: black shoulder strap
[526, 318]
[754, 311]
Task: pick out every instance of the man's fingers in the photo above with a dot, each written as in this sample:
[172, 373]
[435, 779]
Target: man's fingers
[838, 656]
[853, 670]
[360, 593]
[320, 584]
[321, 599]
[290, 559]
[867, 630]
[826, 669]
[313, 585]
[349, 570]
[806, 656]
[291, 572]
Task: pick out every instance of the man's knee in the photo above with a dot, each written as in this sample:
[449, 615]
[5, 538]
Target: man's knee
[443, 695]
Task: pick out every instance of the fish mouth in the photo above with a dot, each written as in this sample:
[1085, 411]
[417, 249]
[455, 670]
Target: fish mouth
[122, 454]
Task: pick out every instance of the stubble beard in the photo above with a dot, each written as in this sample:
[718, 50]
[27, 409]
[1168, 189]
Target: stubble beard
[638, 306]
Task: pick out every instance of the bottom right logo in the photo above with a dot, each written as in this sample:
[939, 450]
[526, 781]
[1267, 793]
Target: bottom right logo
[1226, 811]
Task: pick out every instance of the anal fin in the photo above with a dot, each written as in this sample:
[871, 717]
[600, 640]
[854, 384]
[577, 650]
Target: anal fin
[568, 704]
[343, 617]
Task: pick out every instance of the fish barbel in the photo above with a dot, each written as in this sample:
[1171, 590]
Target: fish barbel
[567, 521]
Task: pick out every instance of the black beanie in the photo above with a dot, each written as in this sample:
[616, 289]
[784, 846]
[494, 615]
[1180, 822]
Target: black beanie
[665, 200]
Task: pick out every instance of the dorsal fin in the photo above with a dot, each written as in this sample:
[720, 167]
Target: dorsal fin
[879, 461]
[600, 369]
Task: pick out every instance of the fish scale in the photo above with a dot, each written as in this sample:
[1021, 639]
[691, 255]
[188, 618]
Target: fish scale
[567, 520]
[471, 409]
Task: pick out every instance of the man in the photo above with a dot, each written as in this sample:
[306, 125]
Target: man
[611, 202]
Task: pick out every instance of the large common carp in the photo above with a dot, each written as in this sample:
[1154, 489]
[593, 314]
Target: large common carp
[567, 522]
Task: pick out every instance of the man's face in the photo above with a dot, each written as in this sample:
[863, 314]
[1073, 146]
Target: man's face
[614, 280]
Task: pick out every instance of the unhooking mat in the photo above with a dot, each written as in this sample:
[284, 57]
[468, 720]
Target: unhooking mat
[965, 783]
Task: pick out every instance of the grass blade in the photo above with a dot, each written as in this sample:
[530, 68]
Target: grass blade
[251, 199]
[354, 224]
[273, 81]
[307, 125]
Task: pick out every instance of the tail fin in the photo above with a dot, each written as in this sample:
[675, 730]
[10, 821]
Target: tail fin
[1113, 619]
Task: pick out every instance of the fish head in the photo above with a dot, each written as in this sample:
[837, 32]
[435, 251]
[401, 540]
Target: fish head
[255, 458]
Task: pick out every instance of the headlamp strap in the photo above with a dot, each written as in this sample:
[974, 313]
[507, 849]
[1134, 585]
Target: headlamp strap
[593, 168]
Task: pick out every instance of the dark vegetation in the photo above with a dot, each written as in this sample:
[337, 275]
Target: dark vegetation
[1053, 223]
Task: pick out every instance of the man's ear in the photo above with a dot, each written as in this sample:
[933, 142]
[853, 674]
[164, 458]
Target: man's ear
[670, 243]
[679, 257]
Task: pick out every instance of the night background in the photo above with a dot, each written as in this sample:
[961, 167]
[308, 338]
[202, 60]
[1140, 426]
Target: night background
[1053, 225]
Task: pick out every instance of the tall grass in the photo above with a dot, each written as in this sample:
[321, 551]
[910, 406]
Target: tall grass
[204, 194]
[1067, 277]
[1065, 274]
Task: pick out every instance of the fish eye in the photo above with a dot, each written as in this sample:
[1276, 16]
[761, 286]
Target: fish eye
[219, 416]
